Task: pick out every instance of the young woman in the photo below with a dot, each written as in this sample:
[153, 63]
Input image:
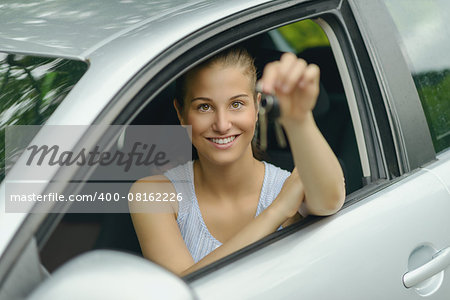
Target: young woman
[231, 199]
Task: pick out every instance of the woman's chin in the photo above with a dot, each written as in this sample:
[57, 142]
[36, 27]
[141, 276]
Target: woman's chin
[222, 159]
[225, 158]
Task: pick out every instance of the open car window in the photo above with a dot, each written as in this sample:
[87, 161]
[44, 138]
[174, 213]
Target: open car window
[332, 114]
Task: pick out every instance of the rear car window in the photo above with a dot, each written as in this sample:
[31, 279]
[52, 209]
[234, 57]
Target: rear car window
[31, 88]
[303, 35]
[425, 40]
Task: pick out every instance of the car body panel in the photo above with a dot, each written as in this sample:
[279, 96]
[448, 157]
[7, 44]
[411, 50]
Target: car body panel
[9, 223]
[48, 27]
[364, 247]
[441, 168]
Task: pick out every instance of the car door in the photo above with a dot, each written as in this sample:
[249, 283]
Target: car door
[389, 241]
[393, 222]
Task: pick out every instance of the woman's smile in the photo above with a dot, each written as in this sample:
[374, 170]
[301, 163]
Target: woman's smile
[223, 142]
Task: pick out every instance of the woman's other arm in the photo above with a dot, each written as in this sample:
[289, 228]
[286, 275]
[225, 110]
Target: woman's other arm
[156, 226]
[161, 240]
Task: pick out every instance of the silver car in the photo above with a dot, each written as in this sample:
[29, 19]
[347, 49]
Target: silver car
[384, 108]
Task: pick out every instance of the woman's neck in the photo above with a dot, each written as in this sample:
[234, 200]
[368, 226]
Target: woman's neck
[233, 180]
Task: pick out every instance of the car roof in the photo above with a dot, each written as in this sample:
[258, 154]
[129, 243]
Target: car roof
[75, 29]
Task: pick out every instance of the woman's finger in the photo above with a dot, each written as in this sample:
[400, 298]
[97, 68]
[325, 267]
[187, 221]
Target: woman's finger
[287, 65]
[311, 76]
[269, 77]
[294, 76]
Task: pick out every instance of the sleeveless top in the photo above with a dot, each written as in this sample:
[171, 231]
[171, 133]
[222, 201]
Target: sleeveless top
[193, 229]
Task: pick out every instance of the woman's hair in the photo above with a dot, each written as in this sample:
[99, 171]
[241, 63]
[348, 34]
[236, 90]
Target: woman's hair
[235, 56]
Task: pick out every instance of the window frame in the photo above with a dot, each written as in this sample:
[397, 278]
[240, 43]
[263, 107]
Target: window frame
[231, 30]
[247, 24]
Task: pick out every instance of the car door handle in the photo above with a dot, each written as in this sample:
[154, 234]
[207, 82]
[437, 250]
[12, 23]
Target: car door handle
[439, 262]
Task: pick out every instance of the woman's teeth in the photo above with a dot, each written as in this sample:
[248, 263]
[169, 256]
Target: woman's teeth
[223, 141]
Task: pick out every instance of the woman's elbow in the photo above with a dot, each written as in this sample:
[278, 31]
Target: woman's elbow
[335, 203]
[328, 203]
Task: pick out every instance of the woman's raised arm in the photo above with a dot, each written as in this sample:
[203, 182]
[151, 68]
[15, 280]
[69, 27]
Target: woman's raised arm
[296, 85]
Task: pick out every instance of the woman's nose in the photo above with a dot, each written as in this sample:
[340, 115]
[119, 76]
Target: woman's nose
[222, 122]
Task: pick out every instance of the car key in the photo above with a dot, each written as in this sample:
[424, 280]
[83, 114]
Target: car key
[262, 124]
[269, 107]
[281, 140]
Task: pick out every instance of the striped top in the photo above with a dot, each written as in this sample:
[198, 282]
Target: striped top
[193, 229]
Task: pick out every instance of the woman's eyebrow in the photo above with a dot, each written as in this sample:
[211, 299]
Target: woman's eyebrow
[209, 99]
[239, 96]
[201, 98]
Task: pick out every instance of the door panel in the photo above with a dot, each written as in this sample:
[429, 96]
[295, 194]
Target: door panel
[441, 168]
[361, 252]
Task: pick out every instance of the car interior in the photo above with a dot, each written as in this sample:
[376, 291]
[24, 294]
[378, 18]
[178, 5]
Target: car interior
[80, 232]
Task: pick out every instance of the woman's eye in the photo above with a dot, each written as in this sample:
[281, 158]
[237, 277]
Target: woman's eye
[203, 107]
[236, 104]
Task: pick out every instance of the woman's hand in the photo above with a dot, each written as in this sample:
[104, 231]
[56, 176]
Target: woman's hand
[290, 197]
[296, 85]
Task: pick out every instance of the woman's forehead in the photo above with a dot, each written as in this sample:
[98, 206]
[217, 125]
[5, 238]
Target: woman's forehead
[219, 79]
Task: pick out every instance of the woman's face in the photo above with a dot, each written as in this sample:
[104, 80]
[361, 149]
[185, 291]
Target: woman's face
[220, 107]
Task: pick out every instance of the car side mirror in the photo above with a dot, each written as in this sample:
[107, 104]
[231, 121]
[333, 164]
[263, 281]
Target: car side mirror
[107, 274]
